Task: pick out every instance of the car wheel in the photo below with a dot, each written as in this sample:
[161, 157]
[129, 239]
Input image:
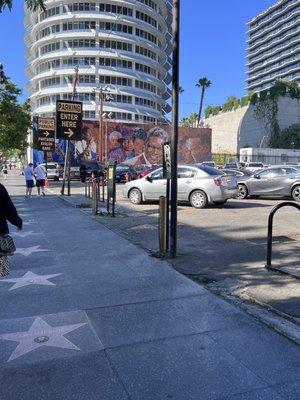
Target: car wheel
[198, 199]
[243, 192]
[135, 196]
[296, 193]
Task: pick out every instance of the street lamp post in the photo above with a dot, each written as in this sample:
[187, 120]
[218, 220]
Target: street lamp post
[104, 94]
[174, 139]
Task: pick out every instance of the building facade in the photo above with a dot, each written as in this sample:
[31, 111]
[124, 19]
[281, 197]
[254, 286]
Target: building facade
[274, 45]
[122, 46]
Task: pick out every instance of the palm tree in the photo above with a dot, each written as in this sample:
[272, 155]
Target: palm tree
[32, 5]
[203, 83]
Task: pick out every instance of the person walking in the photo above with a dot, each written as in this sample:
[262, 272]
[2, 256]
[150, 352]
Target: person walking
[29, 179]
[40, 176]
[5, 171]
[9, 213]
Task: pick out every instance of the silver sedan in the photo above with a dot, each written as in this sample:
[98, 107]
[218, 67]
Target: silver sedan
[282, 181]
[198, 185]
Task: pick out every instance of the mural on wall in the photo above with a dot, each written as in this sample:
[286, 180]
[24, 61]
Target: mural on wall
[133, 144]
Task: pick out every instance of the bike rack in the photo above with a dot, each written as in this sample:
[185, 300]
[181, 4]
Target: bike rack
[270, 228]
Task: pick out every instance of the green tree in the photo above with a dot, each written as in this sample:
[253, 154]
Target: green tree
[15, 120]
[289, 138]
[32, 5]
[203, 83]
[231, 103]
[212, 110]
[190, 120]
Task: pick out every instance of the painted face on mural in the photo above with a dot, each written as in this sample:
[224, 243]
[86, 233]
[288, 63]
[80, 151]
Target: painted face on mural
[138, 146]
[127, 144]
[154, 150]
[197, 148]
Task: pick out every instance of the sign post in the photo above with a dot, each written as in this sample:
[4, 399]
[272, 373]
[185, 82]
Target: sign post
[167, 175]
[45, 140]
[111, 188]
[68, 127]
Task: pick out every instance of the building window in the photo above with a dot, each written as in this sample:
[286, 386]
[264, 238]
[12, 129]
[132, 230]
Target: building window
[87, 114]
[79, 25]
[145, 52]
[50, 48]
[115, 62]
[111, 8]
[50, 82]
[81, 7]
[112, 44]
[77, 43]
[115, 80]
[146, 18]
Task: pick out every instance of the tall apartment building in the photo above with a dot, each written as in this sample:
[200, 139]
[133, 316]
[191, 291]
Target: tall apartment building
[122, 45]
[274, 45]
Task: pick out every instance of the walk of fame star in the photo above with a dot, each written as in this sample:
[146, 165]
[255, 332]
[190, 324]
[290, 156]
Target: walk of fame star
[30, 278]
[41, 334]
[24, 234]
[26, 251]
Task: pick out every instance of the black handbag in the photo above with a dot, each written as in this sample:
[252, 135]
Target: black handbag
[7, 245]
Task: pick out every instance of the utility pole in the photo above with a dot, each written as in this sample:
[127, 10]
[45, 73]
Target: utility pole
[174, 138]
[104, 95]
[67, 165]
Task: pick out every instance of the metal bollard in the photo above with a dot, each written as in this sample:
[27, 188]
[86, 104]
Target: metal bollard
[89, 189]
[162, 225]
[94, 198]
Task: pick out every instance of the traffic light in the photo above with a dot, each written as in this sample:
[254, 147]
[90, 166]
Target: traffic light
[2, 76]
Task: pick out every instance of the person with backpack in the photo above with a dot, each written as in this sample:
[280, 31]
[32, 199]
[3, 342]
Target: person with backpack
[8, 213]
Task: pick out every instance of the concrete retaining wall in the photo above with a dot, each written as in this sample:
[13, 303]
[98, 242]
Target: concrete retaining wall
[233, 130]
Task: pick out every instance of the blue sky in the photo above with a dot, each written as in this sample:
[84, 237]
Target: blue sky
[213, 35]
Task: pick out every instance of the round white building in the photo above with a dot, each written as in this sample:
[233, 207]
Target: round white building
[120, 45]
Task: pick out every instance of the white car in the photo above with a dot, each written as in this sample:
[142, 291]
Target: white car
[198, 185]
[254, 166]
[52, 171]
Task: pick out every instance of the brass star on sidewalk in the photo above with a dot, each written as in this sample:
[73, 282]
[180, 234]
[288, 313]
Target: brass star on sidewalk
[41, 334]
[30, 278]
[26, 251]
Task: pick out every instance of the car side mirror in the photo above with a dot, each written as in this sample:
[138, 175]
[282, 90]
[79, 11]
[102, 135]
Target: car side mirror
[149, 179]
[256, 176]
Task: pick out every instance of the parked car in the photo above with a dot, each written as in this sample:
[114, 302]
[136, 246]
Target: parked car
[125, 173]
[232, 165]
[199, 185]
[274, 181]
[209, 164]
[254, 166]
[52, 170]
[240, 174]
[87, 168]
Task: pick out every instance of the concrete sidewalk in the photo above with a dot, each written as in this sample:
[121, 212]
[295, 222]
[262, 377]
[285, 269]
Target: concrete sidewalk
[85, 314]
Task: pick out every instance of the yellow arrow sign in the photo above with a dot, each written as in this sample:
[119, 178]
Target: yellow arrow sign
[69, 133]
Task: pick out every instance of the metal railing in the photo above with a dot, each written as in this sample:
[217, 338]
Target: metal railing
[270, 228]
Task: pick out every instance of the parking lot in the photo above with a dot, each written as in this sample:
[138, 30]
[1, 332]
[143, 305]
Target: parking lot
[224, 247]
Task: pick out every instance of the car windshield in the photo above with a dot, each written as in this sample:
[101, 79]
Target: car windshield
[258, 165]
[210, 170]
